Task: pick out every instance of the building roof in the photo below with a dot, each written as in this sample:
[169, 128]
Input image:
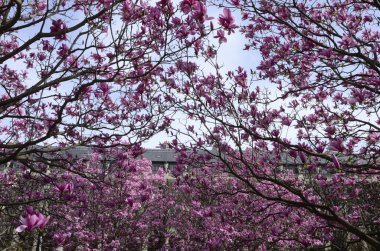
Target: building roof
[154, 155]
[160, 155]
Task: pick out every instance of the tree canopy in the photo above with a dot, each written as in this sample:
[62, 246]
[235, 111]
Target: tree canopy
[280, 153]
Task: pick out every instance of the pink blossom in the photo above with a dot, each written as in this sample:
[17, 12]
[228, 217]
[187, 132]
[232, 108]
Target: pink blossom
[336, 162]
[347, 42]
[337, 145]
[220, 35]
[41, 56]
[330, 130]
[187, 5]
[302, 157]
[32, 220]
[235, 2]
[63, 51]
[65, 188]
[58, 26]
[227, 20]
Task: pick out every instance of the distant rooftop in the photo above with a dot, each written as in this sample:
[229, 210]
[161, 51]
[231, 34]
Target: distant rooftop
[154, 155]
[160, 155]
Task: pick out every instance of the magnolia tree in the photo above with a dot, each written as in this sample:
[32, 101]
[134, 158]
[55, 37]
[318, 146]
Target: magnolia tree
[84, 73]
[108, 75]
[312, 105]
[87, 73]
[97, 202]
[214, 211]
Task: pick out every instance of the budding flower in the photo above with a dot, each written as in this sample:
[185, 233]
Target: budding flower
[336, 162]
